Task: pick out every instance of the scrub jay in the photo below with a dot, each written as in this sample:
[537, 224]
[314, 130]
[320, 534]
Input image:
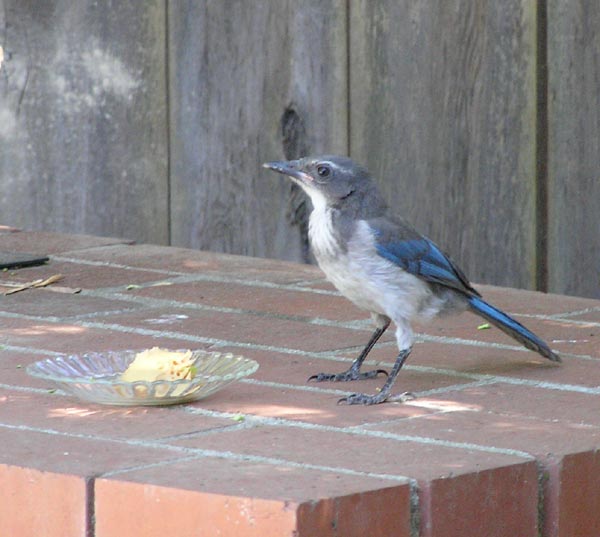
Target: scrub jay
[383, 265]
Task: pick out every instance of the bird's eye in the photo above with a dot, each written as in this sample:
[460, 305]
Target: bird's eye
[323, 170]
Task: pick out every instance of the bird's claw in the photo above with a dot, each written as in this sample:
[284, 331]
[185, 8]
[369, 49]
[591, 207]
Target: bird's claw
[402, 398]
[363, 399]
[347, 376]
[381, 397]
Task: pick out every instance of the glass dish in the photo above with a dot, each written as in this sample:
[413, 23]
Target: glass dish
[95, 377]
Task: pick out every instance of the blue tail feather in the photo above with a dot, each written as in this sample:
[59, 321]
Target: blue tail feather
[511, 327]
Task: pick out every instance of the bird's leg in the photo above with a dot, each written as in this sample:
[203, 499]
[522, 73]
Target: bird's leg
[364, 399]
[353, 373]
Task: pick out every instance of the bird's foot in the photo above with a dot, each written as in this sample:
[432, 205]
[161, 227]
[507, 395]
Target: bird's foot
[346, 376]
[381, 397]
[402, 398]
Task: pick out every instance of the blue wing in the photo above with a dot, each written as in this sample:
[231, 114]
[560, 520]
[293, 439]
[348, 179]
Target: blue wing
[400, 244]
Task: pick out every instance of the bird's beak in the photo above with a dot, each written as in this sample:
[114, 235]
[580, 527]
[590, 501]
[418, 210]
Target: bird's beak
[289, 168]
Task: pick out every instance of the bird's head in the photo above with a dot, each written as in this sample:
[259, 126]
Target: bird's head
[328, 180]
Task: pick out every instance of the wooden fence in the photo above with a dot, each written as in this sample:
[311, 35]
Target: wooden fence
[150, 120]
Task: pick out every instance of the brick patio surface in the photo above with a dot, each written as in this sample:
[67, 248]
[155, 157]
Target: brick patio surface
[497, 443]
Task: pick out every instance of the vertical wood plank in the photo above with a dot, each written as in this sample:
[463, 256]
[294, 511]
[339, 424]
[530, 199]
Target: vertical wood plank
[443, 107]
[238, 71]
[574, 147]
[83, 145]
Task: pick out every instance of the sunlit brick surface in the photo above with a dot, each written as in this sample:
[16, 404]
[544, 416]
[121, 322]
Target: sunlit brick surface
[498, 442]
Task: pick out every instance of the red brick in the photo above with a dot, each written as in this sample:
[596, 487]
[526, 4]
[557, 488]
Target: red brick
[296, 369]
[79, 275]
[44, 479]
[264, 299]
[12, 369]
[537, 422]
[37, 334]
[533, 302]
[309, 406]
[561, 335]
[136, 509]
[190, 261]
[183, 513]
[322, 284]
[495, 503]
[71, 416]
[422, 460]
[249, 329]
[592, 316]
[463, 490]
[47, 303]
[286, 368]
[240, 477]
[72, 338]
[480, 360]
[77, 456]
[572, 496]
[210, 495]
[483, 424]
[45, 242]
[529, 401]
[35, 503]
[358, 515]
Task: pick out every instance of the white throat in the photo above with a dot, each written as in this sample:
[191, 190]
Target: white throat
[320, 227]
[317, 198]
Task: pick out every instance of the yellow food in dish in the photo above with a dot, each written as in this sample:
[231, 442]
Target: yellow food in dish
[159, 364]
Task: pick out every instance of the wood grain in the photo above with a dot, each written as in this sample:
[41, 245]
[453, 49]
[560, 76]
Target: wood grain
[151, 120]
[83, 145]
[251, 82]
[574, 147]
[443, 112]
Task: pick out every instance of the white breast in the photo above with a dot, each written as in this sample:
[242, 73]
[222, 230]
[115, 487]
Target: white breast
[364, 277]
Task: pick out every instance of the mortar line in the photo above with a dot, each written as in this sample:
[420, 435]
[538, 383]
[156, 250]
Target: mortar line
[213, 341]
[283, 422]
[360, 431]
[197, 453]
[566, 315]
[567, 320]
[90, 506]
[358, 324]
[189, 277]
[202, 453]
[214, 278]
[30, 389]
[110, 264]
[216, 341]
[29, 350]
[318, 355]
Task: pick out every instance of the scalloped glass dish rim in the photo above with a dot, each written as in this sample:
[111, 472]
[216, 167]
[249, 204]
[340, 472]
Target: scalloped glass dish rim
[102, 370]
